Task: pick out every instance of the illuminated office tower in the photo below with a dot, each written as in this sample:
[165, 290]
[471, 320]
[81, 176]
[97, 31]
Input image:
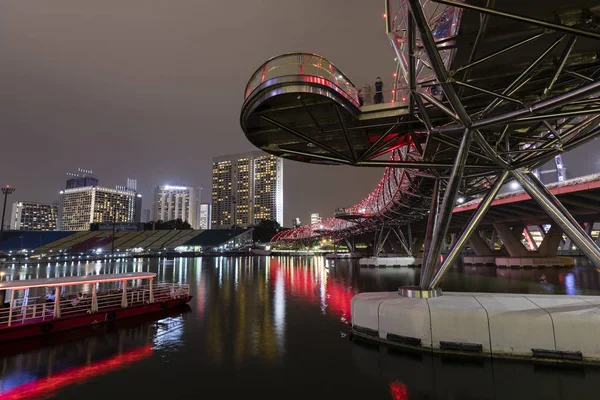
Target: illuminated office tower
[176, 202]
[146, 216]
[80, 207]
[30, 216]
[82, 178]
[246, 188]
[204, 221]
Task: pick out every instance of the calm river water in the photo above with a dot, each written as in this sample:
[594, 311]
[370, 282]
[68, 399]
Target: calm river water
[276, 328]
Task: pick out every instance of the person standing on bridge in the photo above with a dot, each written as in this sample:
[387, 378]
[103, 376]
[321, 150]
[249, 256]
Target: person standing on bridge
[378, 91]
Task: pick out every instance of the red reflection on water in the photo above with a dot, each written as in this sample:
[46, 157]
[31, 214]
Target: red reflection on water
[398, 390]
[45, 388]
[305, 282]
[201, 296]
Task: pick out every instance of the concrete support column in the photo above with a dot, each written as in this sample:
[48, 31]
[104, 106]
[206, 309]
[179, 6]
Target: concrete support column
[559, 214]
[493, 240]
[417, 245]
[509, 238]
[589, 227]
[479, 245]
[552, 239]
[394, 245]
[349, 245]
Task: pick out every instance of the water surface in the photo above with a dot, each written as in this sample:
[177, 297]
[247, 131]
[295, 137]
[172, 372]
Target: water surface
[276, 328]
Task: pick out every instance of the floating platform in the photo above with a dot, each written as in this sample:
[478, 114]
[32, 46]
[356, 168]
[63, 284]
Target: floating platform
[521, 262]
[390, 261]
[342, 256]
[535, 262]
[479, 260]
[551, 328]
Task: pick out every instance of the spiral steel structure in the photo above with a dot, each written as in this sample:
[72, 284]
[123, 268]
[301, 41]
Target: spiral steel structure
[486, 91]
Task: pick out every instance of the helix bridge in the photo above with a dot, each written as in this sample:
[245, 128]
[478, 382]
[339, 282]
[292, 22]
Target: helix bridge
[485, 92]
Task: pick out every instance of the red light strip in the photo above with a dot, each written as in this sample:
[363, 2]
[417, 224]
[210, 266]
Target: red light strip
[46, 387]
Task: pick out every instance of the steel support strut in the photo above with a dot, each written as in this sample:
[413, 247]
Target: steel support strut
[431, 219]
[469, 229]
[436, 61]
[559, 214]
[445, 211]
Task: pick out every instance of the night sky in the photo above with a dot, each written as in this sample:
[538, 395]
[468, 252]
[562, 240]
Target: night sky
[152, 90]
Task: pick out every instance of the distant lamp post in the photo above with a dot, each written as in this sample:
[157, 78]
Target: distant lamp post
[114, 230]
[5, 191]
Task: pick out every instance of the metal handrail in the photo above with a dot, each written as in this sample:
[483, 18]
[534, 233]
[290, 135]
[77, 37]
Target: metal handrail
[38, 310]
[264, 69]
[296, 53]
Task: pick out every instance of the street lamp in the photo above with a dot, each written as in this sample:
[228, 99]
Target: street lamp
[5, 191]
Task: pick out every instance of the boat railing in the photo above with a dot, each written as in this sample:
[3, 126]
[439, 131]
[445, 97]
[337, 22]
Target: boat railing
[39, 310]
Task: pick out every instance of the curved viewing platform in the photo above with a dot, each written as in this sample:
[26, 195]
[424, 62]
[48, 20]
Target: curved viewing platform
[301, 106]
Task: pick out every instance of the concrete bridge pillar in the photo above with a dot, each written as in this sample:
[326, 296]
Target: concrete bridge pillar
[349, 244]
[479, 245]
[418, 245]
[551, 242]
[511, 239]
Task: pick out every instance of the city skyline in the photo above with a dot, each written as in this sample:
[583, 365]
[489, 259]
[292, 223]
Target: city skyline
[117, 107]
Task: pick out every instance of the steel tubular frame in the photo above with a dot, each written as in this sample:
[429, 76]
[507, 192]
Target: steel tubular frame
[473, 137]
[468, 231]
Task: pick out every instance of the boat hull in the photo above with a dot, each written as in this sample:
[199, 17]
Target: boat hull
[49, 326]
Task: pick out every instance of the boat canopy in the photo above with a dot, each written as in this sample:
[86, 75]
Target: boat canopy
[75, 280]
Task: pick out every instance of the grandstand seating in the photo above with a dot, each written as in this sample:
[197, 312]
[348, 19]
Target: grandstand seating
[88, 241]
[77, 241]
[92, 243]
[215, 237]
[120, 238]
[135, 241]
[183, 238]
[161, 242]
[18, 240]
[61, 242]
[150, 240]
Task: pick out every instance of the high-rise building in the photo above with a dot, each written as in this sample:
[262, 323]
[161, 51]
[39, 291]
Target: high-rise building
[176, 202]
[296, 223]
[82, 178]
[204, 221]
[30, 216]
[315, 218]
[146, 216]
[83, 206]
[246, 188]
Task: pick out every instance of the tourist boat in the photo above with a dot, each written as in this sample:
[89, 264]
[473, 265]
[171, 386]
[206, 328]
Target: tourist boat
[77, 301]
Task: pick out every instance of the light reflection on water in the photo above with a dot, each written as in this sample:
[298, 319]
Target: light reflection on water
[258, 326]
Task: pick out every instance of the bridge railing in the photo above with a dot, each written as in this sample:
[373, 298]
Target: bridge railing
[398, 95]
[305, 64]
